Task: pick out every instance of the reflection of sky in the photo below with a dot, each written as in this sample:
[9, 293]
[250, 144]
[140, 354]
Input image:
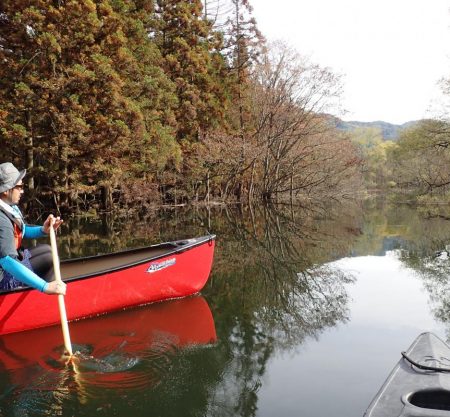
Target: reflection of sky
[387, 294]
[340, 373]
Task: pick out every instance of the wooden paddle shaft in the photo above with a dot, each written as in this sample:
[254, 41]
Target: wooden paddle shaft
[61, 304]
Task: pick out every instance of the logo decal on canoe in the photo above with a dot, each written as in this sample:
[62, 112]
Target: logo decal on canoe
[157, 266]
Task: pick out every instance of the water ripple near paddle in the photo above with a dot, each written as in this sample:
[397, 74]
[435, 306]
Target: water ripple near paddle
[131, 365]
[92, 376]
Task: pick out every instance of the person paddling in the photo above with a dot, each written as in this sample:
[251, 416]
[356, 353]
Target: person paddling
[18, 266]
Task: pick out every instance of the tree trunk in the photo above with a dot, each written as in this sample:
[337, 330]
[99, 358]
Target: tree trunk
[251, 186]
[64, 172]
[29, 153]
[207, 188]
[107, 200]
[291, 191]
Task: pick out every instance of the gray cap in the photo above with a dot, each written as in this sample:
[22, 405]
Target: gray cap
[9, 176]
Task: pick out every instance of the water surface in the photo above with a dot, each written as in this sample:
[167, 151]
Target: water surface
[305, 314]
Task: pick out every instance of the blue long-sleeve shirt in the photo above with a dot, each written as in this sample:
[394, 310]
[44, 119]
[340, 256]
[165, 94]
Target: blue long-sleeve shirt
[9, 256]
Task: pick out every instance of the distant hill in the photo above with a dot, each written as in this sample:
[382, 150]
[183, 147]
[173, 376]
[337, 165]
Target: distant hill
[388, 130]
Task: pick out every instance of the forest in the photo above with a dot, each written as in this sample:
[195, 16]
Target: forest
[413, 167]
[134, 103]
[114, 104]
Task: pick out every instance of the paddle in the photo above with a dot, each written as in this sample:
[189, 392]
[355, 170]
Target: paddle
[62, 307]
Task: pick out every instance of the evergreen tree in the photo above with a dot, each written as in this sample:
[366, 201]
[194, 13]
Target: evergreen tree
[152, 92]
[189, 48]
[76, 96]
[244, 43]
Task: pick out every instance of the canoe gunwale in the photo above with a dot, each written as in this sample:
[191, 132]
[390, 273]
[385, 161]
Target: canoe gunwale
[177, 249]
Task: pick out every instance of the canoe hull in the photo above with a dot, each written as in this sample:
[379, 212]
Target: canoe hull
[412, 391]
[179, 273]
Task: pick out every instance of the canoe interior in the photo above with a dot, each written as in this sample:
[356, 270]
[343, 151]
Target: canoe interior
[96, 265]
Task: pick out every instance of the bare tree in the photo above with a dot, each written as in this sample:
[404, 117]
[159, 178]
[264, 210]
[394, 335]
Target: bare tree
[289, 148]
[298, 149]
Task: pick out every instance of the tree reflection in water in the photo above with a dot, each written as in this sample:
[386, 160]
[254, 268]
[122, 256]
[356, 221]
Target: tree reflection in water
[434, 270]
[426, 250]
[272, 287]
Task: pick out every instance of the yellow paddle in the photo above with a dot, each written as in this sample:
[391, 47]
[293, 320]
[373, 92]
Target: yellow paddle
[62, 307]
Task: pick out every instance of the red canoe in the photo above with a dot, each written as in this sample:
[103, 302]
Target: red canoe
[105, 283]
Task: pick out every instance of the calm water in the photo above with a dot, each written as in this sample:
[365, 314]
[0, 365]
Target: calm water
[305, 314]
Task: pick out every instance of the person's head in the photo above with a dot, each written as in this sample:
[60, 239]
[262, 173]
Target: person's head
[11, 186]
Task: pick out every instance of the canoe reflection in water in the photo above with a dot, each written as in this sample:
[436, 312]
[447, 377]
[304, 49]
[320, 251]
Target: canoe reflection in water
[127, 350]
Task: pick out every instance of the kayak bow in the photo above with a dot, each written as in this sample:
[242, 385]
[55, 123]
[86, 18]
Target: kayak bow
[419, 385]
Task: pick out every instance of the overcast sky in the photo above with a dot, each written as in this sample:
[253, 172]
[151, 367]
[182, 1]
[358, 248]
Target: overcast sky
[392, 53]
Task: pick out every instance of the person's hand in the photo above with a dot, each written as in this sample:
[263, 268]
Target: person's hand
[56, 223]
[56, 287]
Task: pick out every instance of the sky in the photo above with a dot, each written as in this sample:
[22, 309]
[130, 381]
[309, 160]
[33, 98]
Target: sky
[391, 53]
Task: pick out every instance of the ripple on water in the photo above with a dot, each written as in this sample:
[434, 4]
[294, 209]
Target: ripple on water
[127, 366]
